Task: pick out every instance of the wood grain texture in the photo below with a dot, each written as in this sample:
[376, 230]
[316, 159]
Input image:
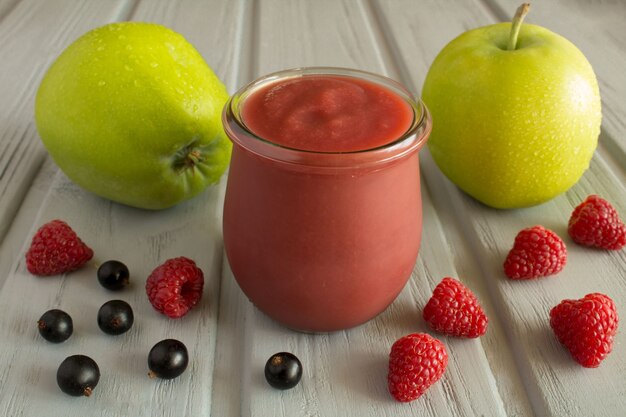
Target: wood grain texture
[210, 26]
[142, 239]
[32, 34]
[555, 384]
[11, 245]
[345, 372]
[517, 369]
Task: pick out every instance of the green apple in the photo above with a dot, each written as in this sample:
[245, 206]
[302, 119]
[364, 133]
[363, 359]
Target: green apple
[131, 112]
[516, 113]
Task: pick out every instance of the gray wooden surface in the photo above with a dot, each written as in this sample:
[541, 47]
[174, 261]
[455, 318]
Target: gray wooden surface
[517, 369]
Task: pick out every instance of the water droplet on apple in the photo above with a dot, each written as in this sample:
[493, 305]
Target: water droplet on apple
[154, 64]
[101, 83]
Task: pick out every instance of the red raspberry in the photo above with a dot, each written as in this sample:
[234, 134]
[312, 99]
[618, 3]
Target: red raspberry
[537, 252]
[586, 327]
[56, 249]
[174, 287]
[595, 222]
[416, 362]
[454, 310]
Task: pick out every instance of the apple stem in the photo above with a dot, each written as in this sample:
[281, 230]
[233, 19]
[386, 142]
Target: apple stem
[520, 14]
[193, 157]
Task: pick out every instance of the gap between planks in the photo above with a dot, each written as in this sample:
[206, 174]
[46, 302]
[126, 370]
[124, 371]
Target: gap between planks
[398, 68]
[13, 206]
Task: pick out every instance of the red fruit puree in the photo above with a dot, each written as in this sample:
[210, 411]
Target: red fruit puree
[322, 232]
[327, 114]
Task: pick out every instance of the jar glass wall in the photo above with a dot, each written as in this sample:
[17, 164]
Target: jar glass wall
[322, 241]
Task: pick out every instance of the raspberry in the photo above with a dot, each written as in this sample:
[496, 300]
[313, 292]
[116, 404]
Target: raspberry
[586, 327]
[537, 252]
[595, 222]
[416, 362]
[56, 249]
[175, 287]
[454, 310]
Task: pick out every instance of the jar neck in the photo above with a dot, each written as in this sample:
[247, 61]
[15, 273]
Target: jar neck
[408, 143]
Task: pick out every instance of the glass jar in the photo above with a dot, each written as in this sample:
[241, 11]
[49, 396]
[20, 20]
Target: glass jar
[322, 241]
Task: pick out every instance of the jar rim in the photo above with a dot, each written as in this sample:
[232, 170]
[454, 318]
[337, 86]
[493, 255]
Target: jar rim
[410, 141]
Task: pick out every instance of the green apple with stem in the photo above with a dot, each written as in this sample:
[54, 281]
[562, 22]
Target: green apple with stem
[516, 113]
[131, 112]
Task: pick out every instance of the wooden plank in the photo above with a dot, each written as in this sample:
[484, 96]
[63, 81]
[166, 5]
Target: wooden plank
[555, 384]
[142, 239]
[11, 245]
[345, 372]
[6, 6]
[28, 49]
[210, 26]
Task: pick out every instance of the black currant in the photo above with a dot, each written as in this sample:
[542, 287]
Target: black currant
[115, 317]
[55, 326]
[113, 275]
[168, 359]
[78, 375]
[283, 370]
